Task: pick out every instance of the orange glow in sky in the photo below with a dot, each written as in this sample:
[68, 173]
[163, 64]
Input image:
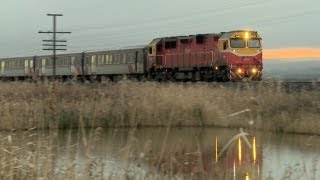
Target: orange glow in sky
[291, 53]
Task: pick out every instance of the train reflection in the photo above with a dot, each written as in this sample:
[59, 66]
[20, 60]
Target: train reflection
[239, 158]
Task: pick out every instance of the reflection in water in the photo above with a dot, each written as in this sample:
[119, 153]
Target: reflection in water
[254, 150]
[151, 153]
[194, 153]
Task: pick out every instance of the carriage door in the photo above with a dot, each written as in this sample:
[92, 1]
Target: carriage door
[26, 67]
[72, 67]
[43, 66]
[93, 63]
[136, 61]
[2, 67]
[31, 67]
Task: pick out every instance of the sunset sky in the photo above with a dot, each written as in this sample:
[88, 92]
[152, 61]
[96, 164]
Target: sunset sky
[292, 53]
[289, 28]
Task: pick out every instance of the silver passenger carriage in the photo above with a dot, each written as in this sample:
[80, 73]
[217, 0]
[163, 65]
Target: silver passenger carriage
[67, 65]
[17, 68]
[127, 61]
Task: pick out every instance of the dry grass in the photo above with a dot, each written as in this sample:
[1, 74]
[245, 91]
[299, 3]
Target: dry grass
[263, 106]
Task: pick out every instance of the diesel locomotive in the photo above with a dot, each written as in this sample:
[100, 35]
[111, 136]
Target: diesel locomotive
[226, 56]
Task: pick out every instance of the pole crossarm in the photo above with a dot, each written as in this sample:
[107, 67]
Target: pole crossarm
[52, 45]
[54, 14]
[50, 49]
[55, 40]
[50, 32]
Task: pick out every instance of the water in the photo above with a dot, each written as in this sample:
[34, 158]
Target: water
[292, 70]
[187, 153]
[158, 153]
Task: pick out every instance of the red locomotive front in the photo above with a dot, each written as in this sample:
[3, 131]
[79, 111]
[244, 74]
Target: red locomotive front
[242, 52]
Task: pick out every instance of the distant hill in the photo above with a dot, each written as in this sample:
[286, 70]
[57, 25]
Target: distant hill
[292, 70]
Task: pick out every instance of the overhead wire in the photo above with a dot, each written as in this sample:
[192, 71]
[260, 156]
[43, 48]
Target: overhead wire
[259, 22]
[138, 25]
[142, 31]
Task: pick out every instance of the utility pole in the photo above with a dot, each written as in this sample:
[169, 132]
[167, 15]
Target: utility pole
[53, 43]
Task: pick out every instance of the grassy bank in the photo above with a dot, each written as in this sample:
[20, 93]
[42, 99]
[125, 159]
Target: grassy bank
[262, 106]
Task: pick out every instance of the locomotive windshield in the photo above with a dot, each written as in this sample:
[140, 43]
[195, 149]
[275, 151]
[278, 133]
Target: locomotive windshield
[254, 43]
[237, 43]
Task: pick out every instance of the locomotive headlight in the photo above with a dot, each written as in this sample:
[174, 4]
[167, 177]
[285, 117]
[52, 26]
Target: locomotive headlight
[240, 71]
[247, 35]
[254, 70]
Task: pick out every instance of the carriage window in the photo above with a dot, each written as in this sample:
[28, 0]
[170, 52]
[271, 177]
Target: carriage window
[93, 59]
[100, 59]
[118, 58]
[26, 63]
[124, 58]
[66, 62]
[50, 62]
[254, 43]
[106, 59]
[150, 50]
[58, 61]
[130, 58]
[111, 59]
[72, 60]
[114, 59]
[21, 64]
[237, 43]
[43, 62]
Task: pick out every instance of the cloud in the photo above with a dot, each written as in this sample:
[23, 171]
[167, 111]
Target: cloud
[291, 53]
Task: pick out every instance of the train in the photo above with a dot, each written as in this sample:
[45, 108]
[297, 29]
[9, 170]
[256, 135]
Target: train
[225, 56]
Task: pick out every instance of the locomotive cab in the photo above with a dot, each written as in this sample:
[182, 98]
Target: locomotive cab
[155, 49]
[242, 52]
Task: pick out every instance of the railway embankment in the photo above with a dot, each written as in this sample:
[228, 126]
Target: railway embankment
[262, 106]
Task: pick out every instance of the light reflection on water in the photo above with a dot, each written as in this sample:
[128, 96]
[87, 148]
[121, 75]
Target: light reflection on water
[152, 151]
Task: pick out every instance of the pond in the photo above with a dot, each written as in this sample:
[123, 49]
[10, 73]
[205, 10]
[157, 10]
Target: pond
[159, 153]
[196, 153]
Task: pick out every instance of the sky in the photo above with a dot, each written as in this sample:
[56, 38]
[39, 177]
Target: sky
[285, 25]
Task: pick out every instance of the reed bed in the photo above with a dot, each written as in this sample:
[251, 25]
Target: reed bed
[133, 104]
